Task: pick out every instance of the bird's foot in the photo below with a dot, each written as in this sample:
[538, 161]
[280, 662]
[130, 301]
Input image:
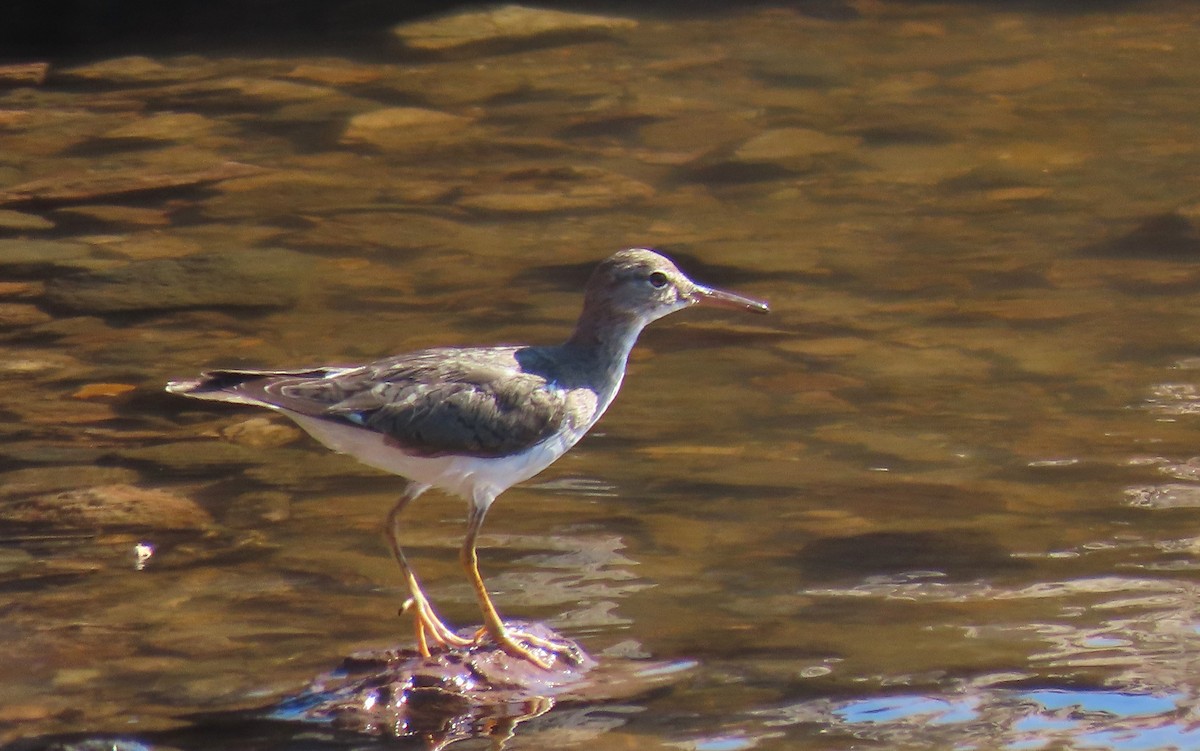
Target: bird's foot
[536, 649]
[430, 628]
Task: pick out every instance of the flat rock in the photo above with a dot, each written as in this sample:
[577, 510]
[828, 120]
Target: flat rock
[548, 189]
[38, 256]
[18, 315]
[254, 278]
[400, 127]
[506, 26]
[241, 89]
[23, 74]
[261, 432]
[108, 506]
[127, 215]
[458, 694]
[90, 184]
[787, 146]
[337, 72]
[131, 69]
[194, 458]
[166, 126]
[45, 480]
[18, 220]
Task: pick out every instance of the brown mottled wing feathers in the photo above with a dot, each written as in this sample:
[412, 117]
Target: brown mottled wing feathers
[476, 402]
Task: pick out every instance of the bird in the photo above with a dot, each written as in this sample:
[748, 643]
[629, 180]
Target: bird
[474, 421]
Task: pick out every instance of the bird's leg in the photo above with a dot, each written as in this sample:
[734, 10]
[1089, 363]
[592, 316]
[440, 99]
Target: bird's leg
[513, 642]
[429, 626]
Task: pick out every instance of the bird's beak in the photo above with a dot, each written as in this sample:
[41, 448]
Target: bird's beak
[721, 299]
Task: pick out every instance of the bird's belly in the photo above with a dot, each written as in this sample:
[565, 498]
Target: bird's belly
[470, 477]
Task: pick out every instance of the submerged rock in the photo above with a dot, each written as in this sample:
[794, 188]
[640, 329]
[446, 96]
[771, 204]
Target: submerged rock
[131, 69]
[461, 693]
[20, 221]
[504, 27]
[116, 506]
[21, 257]
[1170, 235]
[254, 278]
[23, 74]
[793, 147]
[19, 315]
[89, 185]
[403, 127]
[46, 480]
[399, 692]
[545, 189]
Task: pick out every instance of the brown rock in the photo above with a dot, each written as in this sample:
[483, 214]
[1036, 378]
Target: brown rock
[46, 480]
[504, 27]
[786, 145]
[20, 221]
[23, 74]
[546, 189]
[90, 184]
[134, 68]
[166, 126]
[261, 432]
[108, 506]
[18, 315]
[400, 127]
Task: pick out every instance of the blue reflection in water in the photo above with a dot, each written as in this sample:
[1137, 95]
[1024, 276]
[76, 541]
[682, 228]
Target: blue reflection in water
[1143, 739]
[1025, 720]
[929, 709]
[1110, 702]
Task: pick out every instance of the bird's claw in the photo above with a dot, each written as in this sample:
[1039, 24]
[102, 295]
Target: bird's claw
[429, 628]
[522, 644]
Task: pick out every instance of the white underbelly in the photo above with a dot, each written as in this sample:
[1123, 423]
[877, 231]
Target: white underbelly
[470, 477]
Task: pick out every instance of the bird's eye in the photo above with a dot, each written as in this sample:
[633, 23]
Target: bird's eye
[658, 279]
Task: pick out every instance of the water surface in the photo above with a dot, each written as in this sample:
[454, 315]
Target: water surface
[945, 496]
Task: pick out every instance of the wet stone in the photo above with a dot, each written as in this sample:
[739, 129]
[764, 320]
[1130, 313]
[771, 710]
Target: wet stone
[242, 91]
[261, 278]
[505, 27]
[35, 363]
[108, 506]
[37, 256]
[261, 432]
[252, 510]
[23, 74]
[127, 215]
[403, 127]
[793, 147]
[547, 189]
[337, 72]
[18, 315]
[132, 69]
[28, 452]
[45, 480]
[18, 220]
[87, 185]
[460, 693]
[195, 458]
[166, 126]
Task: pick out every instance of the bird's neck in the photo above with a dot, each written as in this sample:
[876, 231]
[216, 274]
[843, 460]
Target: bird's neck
[602, 342]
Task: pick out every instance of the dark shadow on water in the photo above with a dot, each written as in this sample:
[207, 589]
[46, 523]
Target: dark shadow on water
[1167, 236]
[956, 554]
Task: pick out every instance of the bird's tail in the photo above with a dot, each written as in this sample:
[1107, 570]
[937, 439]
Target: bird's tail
[239, 386]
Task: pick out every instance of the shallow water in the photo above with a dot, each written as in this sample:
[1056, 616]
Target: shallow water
[945, 496]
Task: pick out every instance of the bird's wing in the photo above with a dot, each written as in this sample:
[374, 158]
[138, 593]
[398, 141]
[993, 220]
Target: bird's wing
[477, 402]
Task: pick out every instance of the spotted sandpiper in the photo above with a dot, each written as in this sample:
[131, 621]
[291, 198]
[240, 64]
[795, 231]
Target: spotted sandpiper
[474, 421]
